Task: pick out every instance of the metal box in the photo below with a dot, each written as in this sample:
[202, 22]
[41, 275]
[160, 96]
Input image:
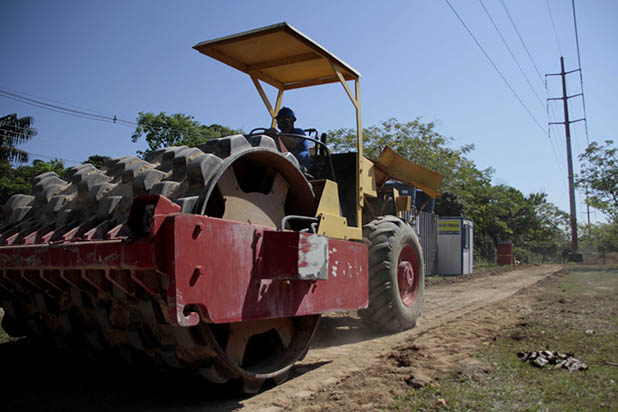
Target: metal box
[455, 246]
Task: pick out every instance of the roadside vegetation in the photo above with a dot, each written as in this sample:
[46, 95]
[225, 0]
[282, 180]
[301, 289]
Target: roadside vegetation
[576, 313]
[14, 131]
[538, 228]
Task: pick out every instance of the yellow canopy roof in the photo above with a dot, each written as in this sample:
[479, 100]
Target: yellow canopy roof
[278, 55]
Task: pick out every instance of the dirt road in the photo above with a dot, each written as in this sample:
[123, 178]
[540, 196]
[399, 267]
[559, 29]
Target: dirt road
[344, 353]
[346, 369]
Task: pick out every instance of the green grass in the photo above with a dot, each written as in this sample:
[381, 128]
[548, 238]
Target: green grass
[483, 265]
[584, 299]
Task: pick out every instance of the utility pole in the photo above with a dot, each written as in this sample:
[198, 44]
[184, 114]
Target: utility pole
[567, 129]
[588, 210]
[575, 255]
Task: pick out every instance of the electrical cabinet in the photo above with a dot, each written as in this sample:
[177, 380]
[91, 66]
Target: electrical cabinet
[455, 246]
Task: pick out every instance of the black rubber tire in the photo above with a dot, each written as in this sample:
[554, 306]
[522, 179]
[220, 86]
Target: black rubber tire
[387, 312]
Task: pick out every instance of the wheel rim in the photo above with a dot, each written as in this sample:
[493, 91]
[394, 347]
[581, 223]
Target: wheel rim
[407, 275]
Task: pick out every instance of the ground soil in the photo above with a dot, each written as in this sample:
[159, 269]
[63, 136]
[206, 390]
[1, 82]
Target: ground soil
[347, 369]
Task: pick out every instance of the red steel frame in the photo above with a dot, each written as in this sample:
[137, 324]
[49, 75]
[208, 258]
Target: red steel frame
[223, 271]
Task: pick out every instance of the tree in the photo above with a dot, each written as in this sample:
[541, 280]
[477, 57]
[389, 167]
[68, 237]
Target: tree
[421, 143]
[15, 131]
[600, 237]
[537, 228]
[98, 161]
[163, 130]
[463, 183]
[599, 176]
[19, 180]
[499, 212]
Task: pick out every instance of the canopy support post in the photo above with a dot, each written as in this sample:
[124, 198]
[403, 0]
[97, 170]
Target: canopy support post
[355, 98]
[271, 111]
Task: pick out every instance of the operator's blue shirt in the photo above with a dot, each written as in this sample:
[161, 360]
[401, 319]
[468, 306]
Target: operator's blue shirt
[301, 151]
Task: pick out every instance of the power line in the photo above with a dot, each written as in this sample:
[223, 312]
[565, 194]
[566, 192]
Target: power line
[56, 108]
[25, 99]
[496, 67]
[49, 100]
[61, 108]
[554, 26]
[562, 149]
[567, 123]
[556, 118]
[549, 106]
[72, 112]
[523, 43]
[579, 63]
[551, 143]
[538, 72]
[507, 83]
[511, 52]
[82, 114]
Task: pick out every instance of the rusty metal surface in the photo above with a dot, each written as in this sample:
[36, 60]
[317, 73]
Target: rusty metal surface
[233, 286]
[96, 269]
[94, 254]
[305, 256]
[233, 271]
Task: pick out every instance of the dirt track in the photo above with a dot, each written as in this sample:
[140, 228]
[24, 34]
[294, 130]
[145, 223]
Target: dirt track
[345, 355]
[346, 369]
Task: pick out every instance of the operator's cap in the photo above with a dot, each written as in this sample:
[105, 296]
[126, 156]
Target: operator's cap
[286, 112]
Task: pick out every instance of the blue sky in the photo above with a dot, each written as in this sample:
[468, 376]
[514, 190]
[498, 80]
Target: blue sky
[416, 59]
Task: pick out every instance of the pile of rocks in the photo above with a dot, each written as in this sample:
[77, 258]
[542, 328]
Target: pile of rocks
[556, 359]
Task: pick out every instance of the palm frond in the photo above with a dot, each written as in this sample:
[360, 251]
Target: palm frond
[15, 131]
[12, 154]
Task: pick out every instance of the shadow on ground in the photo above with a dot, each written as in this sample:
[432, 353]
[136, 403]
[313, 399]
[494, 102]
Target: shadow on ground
[40, 378]
[43, 379]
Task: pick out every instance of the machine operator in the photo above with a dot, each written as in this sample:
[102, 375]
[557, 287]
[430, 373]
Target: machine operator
[299, 147]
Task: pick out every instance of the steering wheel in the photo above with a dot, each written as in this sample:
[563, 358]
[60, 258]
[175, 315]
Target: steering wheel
[258, 130]
[322, 144]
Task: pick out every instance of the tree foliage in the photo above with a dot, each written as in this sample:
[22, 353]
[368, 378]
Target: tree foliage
[98, 161]
[19, 180]
[163, 130]
[599, 237]
[536, 227]
[13, 132]
[599, 175]
[419, 142]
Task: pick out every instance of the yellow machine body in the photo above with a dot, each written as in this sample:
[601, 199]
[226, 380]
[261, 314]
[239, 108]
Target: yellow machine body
[285, 58]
